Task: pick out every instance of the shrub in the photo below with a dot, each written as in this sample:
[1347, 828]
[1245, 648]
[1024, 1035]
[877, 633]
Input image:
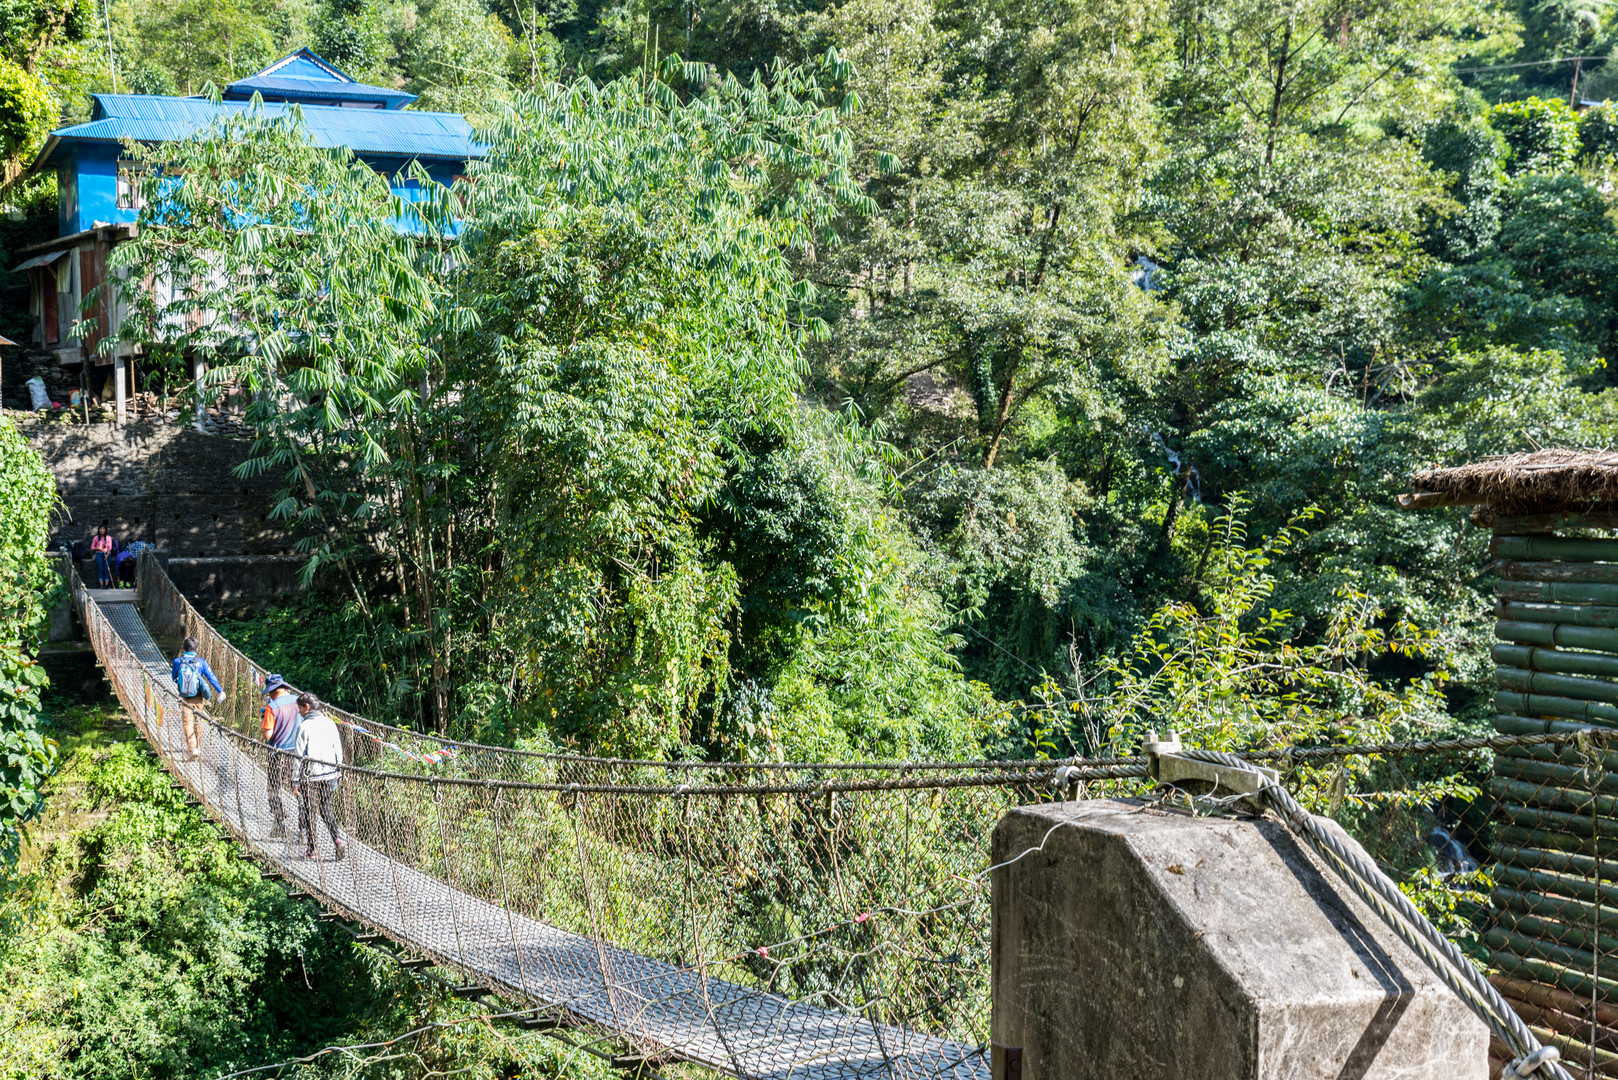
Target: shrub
[1542, 135]
[1598, 132]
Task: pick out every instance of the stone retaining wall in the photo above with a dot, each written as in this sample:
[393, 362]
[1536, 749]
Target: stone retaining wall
[158, 481]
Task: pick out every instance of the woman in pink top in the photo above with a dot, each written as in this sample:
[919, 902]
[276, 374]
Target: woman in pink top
[101, 544]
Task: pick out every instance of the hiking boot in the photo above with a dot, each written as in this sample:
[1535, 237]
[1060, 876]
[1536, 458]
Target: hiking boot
[342, 849]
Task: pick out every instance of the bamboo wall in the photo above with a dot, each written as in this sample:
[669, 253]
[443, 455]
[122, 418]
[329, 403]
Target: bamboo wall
[1554, 937]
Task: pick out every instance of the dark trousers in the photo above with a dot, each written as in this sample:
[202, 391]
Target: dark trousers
[317, 794]
[278, 774]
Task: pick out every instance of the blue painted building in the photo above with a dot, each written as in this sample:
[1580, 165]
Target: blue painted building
[99, 179]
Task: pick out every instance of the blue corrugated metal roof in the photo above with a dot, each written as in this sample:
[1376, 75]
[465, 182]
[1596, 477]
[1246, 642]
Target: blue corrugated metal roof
[371, 132]
[275, 87]
[305, 64]
[303, 76]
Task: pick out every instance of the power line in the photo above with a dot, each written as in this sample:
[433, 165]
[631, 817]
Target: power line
[1528, 63]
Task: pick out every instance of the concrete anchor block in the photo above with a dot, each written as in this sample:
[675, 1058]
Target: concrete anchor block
[1137, 942]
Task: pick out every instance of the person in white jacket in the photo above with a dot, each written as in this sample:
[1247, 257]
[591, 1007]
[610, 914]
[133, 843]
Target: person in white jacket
[320, 752]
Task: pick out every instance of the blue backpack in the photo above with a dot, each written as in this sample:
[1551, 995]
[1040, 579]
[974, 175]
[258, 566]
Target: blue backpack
[190, 675]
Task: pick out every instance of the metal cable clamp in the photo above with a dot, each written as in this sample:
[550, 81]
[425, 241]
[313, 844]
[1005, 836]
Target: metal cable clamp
[1525, 1067]
[1166, 765]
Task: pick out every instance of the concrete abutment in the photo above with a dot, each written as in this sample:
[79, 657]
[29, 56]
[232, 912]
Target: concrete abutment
[1145, 944]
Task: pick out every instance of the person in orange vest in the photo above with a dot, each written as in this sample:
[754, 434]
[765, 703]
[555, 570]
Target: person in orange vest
[280, 735]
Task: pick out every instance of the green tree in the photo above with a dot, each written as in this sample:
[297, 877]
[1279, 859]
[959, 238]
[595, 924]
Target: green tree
[1541, 136]
[1558, 28]
[1471, 154]
[1273, 69]
[649, 324]
[351, 34]
[30, 29]
[1598, 133]
[40, 44]
[458, 58]
[1000, 253]
[188, 44]
[27, 581]
[536, 56]
[26, 115]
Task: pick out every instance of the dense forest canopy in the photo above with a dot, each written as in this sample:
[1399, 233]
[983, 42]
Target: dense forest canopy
[912, 377]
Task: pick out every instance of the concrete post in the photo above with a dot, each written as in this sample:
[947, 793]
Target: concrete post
[120, 391]
[1134, 942]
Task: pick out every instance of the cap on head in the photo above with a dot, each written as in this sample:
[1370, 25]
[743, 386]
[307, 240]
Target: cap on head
[272, 683]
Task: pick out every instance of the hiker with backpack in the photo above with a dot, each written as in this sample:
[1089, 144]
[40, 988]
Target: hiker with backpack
[281, 718]
[320, 752]
[193, 676]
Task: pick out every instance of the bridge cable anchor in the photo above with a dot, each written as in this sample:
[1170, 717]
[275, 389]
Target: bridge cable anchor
[1166, 764]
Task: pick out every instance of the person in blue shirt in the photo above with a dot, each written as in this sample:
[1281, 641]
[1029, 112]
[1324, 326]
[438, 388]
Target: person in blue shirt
[192, 677]
[281, 718]
[124, 563]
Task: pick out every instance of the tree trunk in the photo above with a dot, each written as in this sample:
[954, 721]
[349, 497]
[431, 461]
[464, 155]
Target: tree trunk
[1002, 418]
[1047, 242]
[1202, 561]
[1275, 97]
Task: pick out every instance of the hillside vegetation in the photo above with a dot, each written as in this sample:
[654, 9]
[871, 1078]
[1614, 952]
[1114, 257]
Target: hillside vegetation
[883, 379]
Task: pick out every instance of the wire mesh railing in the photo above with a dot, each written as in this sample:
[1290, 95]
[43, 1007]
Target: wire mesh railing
[828, 921]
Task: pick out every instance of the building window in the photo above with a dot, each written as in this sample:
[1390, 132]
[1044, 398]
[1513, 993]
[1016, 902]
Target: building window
[130, 177]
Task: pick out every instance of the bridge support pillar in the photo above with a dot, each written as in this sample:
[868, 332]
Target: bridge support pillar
[1136, 942]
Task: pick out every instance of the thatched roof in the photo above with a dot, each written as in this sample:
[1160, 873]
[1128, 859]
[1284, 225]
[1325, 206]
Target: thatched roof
[1541, 482]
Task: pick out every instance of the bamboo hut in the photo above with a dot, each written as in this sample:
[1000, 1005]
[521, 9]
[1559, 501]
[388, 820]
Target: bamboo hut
[1553, 933]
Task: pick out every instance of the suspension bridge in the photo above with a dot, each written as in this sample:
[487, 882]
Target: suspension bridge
[803, 920]
[669, 908]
